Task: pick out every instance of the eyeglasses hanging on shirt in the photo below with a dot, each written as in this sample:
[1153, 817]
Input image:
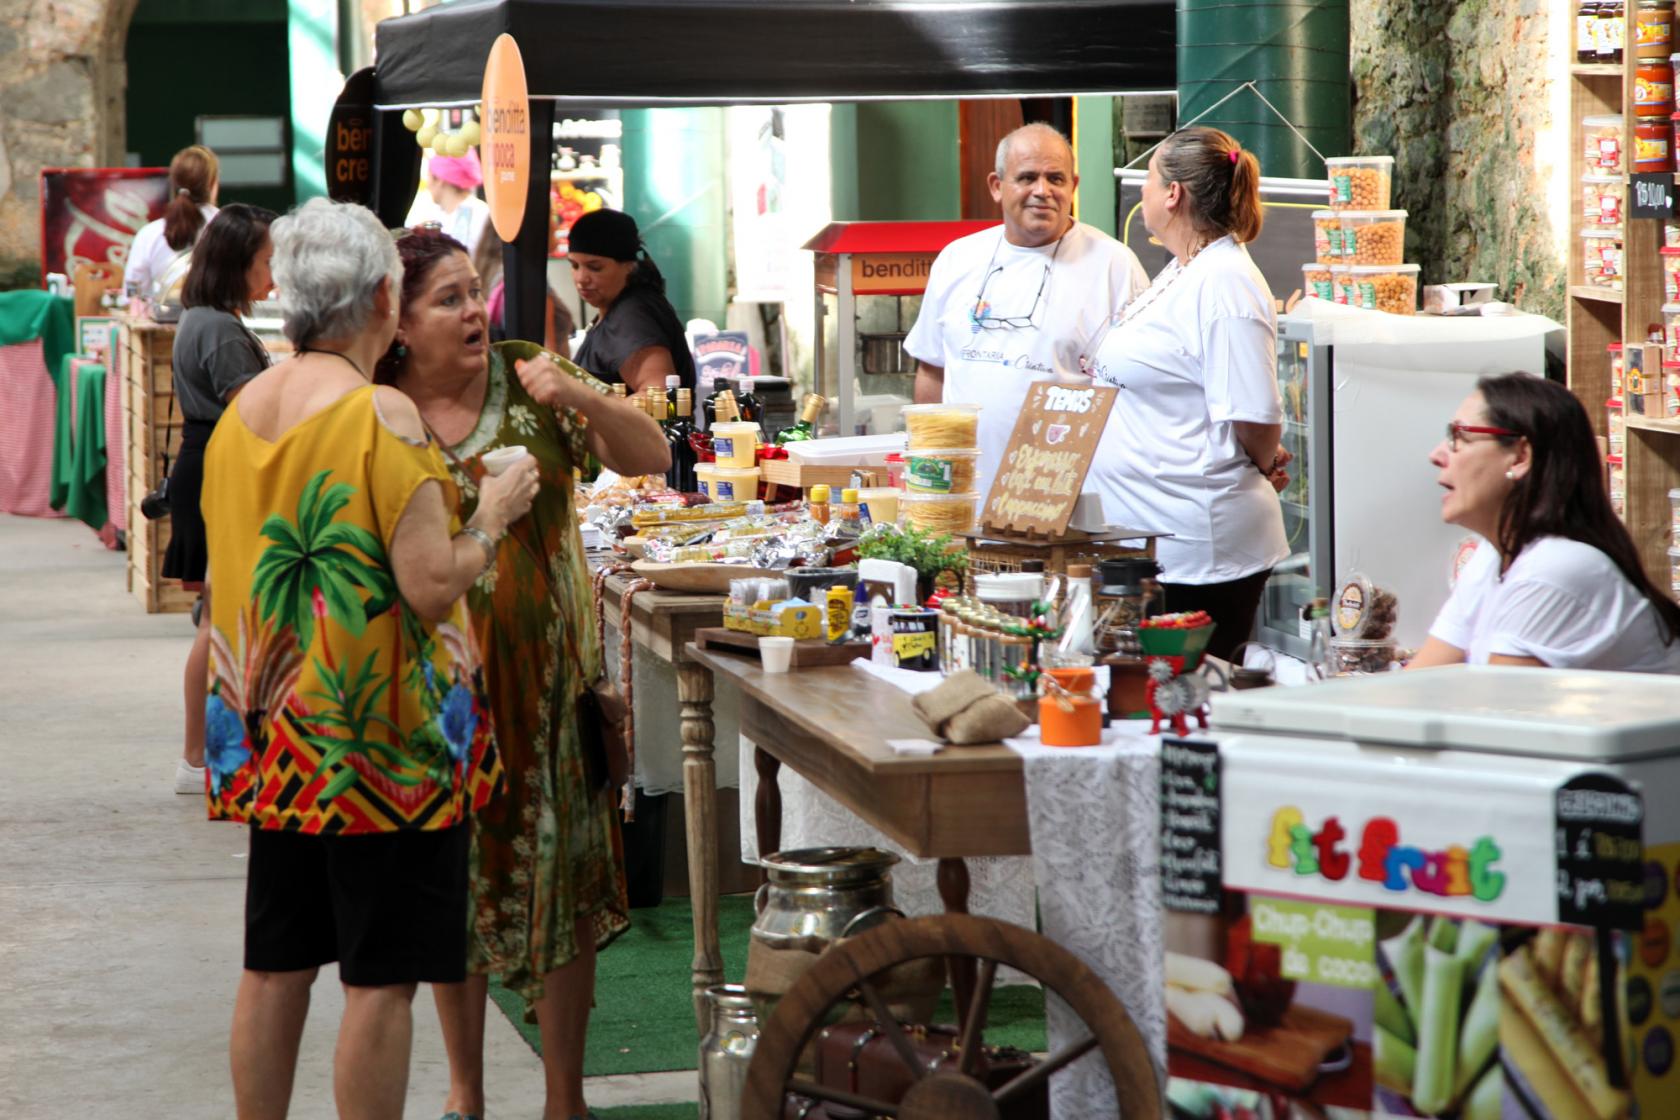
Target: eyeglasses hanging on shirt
[980, 314]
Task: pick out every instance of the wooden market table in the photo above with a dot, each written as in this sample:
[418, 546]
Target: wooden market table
[832, 725]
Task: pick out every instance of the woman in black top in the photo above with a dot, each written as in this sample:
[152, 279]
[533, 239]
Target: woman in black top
[637, 339]
[214, 356]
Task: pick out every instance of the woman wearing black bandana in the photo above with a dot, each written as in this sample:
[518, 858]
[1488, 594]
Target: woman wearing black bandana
[637, 339]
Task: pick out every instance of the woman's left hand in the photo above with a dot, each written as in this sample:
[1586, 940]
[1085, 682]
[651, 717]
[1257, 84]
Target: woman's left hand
[548, 383]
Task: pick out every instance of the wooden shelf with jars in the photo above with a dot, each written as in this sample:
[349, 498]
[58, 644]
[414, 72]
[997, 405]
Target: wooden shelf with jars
[1604, 101]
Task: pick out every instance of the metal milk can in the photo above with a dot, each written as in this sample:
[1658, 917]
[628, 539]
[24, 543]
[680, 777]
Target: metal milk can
[726, 1051]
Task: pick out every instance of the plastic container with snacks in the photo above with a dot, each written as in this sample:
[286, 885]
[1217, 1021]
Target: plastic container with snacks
[1671, 274]
[1671, 389]
[1653, 28]
[1615, 427]
[1653, 88]
[1360, 182]
[1385, 287]
[1327, 236]
[703, 479]
[1373, 236]
[1674, 572]
[734, 484]
[1339, 281]
[1674, 512]
[1653, 151]
[1601, 200]
[940, 513]
[1615, 349]
[1601, 257]
[1357, 656]
[1602, 145]
[1364, 610]
[934, 426]
[1316, 282]
[1671, 228]
[942, 472]
[1618, 485]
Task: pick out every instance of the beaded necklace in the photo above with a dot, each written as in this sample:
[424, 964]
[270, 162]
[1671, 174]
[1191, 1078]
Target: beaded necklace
[1163, 280]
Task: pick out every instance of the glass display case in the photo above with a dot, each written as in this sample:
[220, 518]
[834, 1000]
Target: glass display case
[1303, 372]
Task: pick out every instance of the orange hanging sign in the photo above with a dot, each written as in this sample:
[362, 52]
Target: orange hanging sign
[505, 137]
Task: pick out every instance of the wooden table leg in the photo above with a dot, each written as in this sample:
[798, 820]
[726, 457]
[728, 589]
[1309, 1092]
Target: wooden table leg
[694, 696]
[767, 804]
[952, 878]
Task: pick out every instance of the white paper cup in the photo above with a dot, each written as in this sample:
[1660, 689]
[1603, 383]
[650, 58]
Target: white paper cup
[499, 460]
[776, 653]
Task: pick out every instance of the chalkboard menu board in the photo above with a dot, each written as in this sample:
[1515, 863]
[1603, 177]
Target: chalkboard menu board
[1049, 452]
[1191, 803]
[1600, 853]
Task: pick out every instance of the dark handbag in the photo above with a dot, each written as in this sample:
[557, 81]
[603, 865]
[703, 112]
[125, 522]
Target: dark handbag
[156, 502]
[601, 715]
[859, 1058]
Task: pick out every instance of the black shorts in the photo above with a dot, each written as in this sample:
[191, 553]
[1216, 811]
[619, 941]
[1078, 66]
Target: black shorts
[390, 908]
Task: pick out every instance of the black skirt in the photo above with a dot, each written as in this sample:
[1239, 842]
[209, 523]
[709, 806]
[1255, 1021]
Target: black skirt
[188, 555]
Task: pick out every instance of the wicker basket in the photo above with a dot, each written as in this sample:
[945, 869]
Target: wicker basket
[991, 552]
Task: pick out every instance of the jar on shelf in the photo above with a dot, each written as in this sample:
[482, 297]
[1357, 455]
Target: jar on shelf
[1611, 31]
[1671, 274]
[1653, 144]
[1653, 28]
[1671, 389]
[1586, 31]
[1615, 349]
[1653, 88]
[1601, 258]
[1615, 427]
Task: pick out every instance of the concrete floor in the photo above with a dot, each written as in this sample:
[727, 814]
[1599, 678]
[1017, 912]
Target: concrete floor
[120, 905]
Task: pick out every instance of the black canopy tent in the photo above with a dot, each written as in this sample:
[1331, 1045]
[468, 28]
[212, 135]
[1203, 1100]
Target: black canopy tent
[660, 53]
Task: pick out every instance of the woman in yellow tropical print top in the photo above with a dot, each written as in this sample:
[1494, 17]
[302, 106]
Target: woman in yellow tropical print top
[547, 866]
[347, 720]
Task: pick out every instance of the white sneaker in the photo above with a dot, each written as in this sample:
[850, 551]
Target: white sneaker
[188, 779]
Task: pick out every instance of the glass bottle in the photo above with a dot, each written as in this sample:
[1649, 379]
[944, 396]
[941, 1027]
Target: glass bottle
[672, 384]
[1318, 657]
[752, 409]
[656, 404]
[708, 410]
[806, 427]
[848, 520]
[677, 436]
[818, 502]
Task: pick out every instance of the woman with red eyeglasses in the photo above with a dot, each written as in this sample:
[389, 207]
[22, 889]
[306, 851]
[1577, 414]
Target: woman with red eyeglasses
[1556, 580]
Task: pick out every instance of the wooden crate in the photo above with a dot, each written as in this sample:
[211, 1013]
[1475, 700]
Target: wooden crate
[150, 425]
[786, 472]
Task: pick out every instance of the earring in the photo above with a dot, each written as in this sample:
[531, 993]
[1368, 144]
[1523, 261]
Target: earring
[1511, 475]
[402, 352]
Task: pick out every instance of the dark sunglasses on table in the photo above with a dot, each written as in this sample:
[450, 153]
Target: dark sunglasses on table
[1455, 430]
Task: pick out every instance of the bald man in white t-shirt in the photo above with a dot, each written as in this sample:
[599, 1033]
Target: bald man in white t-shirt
[1018, 303]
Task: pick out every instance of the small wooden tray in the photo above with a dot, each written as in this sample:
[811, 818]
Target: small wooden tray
[1287, 1055]
[807, 652]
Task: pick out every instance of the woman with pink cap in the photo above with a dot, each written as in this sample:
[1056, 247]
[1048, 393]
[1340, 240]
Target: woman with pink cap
[451, 181]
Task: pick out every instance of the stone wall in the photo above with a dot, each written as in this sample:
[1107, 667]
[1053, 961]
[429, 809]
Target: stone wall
[62, 80]
[1461, 95]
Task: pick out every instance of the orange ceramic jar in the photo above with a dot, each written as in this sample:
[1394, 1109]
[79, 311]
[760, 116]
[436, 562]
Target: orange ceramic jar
[1071, 715]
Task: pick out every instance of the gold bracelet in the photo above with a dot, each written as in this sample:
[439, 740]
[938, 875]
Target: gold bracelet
[484, 542]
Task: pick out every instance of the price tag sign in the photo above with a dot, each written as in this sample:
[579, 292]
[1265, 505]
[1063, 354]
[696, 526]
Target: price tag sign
[1192, 799]
[1651, 196]
[1600, 853]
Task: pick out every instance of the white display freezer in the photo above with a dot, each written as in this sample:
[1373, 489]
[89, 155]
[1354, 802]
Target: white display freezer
[1450, 893]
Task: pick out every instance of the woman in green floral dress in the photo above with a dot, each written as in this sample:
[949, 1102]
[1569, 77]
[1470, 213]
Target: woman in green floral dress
[547, 861]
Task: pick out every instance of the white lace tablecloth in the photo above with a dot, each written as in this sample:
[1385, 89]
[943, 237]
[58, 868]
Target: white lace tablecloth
[1093, 815]
[659, 757]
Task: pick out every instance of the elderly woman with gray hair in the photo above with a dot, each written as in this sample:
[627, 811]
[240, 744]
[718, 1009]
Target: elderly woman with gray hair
[346, 721]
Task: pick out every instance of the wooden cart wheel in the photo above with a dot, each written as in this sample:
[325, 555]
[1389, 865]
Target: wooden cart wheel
[846, 973]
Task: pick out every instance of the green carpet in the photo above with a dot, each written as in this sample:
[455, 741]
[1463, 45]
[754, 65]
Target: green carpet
[687, 1111]
[643, 1020]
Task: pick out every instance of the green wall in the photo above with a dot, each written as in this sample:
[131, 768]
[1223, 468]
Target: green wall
[895, 160]
[674, 188]
[1094, 144]
[191, 58]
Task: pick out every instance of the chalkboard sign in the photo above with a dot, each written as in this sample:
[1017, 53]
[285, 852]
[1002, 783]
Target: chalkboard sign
[1600, 853]
[1191, 803]
[1049, 452]
[1651, 196]
[349, 153]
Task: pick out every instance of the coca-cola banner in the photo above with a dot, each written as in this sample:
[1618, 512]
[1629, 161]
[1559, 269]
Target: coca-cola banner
[91, 214]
